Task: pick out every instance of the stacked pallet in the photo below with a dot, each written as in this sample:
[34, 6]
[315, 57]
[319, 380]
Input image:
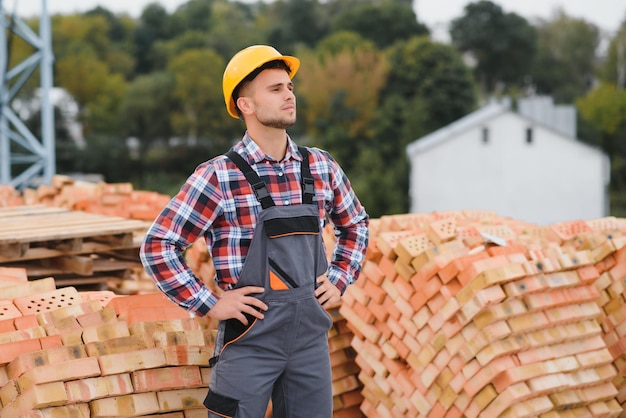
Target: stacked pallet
[75, 247]
[66, 353]
[468, 314]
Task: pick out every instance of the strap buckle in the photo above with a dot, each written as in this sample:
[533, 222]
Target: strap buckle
[260, 191]
[308, 186]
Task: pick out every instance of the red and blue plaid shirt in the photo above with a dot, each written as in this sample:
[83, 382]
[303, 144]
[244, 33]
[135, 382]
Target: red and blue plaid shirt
[217, 203]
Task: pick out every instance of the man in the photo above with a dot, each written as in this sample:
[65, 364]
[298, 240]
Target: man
[261, 208]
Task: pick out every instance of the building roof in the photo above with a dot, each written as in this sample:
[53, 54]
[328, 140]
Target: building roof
[481, 116]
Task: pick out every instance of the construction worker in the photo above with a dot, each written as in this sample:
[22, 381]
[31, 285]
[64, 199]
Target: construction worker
[261, 208]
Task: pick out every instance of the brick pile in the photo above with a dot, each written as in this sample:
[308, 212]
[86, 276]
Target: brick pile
[113, 199]
[456, 314]
[66, 353]
[469, 314]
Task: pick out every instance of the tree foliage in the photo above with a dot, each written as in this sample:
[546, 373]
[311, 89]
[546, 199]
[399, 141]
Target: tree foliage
[200, 110]
[605, 109]
[383, 24]
[614, 68]
[564, 66]
[503, 44]
[371, 82]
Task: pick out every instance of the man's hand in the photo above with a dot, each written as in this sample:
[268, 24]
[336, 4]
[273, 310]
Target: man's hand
[327, 294]
[234, 303]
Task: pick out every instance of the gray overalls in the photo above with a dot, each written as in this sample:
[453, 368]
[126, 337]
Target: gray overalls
[285, 355]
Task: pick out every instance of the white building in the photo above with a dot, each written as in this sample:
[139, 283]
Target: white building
[525, 164]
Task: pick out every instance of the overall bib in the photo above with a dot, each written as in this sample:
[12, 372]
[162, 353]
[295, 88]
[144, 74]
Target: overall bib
[285, 355]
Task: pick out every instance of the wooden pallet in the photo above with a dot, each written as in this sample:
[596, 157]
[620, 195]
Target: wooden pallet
[38, 232]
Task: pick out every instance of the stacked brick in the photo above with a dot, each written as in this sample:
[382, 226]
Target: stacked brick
[65, 353]
[468, 314]
[113, 199]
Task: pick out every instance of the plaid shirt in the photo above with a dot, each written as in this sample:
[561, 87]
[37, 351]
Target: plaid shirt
[217, 203]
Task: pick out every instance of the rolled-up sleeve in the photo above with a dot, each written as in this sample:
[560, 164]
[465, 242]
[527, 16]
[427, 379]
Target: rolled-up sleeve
[186, 218]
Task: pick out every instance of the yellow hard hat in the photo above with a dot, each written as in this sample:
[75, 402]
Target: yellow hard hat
[246, 61]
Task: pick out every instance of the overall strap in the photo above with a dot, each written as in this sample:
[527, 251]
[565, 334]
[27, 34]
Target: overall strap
[258, 185]
[308, 187]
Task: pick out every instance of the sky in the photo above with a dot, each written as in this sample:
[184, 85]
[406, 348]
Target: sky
[606, 14]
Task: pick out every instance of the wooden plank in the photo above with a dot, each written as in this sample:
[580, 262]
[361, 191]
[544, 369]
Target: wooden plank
[36, 210]
[82, 266]
[65, 230]
[64, 266]
[28, 253]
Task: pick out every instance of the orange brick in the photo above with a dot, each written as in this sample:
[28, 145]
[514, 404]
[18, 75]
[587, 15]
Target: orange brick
[367, 315]
[26, 322]
[376, 293]
[135, 404]
[13, 274]
[588, 273]
[144, 314]
[176, 400]
[179, 324]
[487, 374]
[391, 307]
[119, 345]
[86, 390]
[122, 305]
[51, 341]
[130, 361]
[8, 310]
[60, 371]
[11, 350]
[28, 361]
[97, 318]
[181, 355]
[37, 397]
[48, 301]
[418, 300]
[373, 272]
[108, 331]
[7, 325]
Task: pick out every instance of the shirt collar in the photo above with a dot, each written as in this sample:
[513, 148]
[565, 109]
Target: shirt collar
[256, 155]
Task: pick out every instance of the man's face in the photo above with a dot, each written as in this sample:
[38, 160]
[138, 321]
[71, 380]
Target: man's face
[271, 99]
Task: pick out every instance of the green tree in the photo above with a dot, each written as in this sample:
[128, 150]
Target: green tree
[605, 108]
[340, 94]
[154, 24]
[146, 108]
[201, 113]
[614, 68]
[502, 44]
[234, 26]
[383, 23]
[194, 15]
[565, 64]
[436, 74]
[296, 23]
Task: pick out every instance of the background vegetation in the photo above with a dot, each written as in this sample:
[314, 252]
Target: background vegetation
[372, 81]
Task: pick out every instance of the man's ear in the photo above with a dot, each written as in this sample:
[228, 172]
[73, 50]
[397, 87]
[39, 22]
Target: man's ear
[245, 105]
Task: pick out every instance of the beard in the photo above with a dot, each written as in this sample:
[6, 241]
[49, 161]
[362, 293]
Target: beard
[272, 121]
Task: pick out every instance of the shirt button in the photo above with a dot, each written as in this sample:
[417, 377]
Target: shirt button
[280, 174]
[286, 202]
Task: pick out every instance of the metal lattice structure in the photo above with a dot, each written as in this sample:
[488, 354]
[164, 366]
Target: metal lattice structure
[24, 157]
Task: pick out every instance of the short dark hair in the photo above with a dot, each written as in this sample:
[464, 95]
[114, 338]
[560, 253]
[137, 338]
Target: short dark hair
[274, 64]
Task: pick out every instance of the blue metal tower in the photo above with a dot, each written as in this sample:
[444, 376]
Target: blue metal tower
[23, 156]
